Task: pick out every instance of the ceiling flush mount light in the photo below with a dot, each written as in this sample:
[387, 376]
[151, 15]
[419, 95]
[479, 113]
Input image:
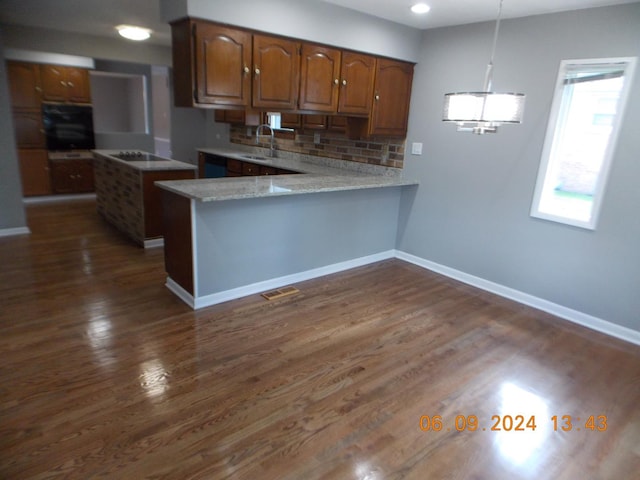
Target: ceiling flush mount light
[133, 33]
[483, 112]
[420, 8]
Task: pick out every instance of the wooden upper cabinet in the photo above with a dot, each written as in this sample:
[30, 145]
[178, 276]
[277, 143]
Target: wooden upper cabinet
[223, 65]
[356, 83]
[65, 84]
[78, 85]
[319, 78]
[276, 72]
[392, 94]
[29, 131]
[24, 85]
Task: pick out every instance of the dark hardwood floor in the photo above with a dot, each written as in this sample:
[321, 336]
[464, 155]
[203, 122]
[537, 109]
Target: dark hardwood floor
[105, 374]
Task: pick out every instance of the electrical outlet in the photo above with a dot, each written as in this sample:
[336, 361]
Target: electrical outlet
[316, 138]
[249, 132]
[416, 149]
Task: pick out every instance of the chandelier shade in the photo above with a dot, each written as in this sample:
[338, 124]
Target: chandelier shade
[483, 112]
[487, 107]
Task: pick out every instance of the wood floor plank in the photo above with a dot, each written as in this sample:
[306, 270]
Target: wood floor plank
[105, 373]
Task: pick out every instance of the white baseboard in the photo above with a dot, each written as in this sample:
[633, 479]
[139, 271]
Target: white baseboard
[589, 321]
[273, 283]
[58, 198]
[9, 232]
[180, 292]
[154, 242]
[575, 316]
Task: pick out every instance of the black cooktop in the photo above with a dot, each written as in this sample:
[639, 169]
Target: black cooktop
[135, 156]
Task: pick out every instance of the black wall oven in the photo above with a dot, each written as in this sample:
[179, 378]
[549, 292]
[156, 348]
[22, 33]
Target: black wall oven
[68, 127]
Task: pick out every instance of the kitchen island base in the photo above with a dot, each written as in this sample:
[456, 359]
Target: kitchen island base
[221, 250]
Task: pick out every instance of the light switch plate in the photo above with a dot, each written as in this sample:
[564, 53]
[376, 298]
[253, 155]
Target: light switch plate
[416, 149]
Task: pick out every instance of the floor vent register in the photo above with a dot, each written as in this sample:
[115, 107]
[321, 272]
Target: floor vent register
[279, 293]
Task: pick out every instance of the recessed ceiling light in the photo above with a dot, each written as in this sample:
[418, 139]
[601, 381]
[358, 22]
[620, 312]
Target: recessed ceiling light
[420, 8]
[133, 33]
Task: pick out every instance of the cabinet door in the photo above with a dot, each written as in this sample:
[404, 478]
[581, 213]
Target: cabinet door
[337, 124]
[356, 83]
[390, 111]
[276, 71]
[290, 120]
[223, 62]
[28, 129]
[78, 85]
[83, 176]
[24, 85]
[314, 122]
[54, 83]
[250, 169]
[34, 172]
[319, 78]
[236, 117]
[62, 176]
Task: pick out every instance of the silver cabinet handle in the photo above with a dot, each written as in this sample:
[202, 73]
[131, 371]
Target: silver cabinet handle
[69, 84]
[246, 69]
[257, 71]
[336, 81]
[344, 82]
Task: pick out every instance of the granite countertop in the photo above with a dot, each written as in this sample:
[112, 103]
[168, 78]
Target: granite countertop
[159, 163]
[314, 178]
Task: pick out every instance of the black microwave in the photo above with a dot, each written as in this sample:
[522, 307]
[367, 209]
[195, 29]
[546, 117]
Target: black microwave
[68, 127]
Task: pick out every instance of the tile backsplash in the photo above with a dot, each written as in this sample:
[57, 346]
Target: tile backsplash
[385, 152]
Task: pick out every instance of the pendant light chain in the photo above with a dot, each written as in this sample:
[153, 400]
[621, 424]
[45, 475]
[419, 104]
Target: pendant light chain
[488, 78]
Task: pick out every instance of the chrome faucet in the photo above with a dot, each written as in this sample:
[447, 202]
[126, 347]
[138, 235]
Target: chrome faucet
[272, 147]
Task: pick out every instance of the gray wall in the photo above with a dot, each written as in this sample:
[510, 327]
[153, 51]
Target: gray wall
[11, 209]
[307, 20]
[471, 212]
[45, 40]
[188, 126]
[254, 240]
[139, 141]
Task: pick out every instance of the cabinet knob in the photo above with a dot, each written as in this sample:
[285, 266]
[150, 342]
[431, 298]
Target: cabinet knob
[69, 84]
[344, 82]
[377, 97]
[63, 83]
[257, 71]
[38, 89]
[336, 81]
[246, 69]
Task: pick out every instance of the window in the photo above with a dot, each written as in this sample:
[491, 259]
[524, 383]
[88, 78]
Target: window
[586, 114]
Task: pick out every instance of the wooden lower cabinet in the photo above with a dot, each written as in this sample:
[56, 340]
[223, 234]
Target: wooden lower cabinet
[34, 172]
[234, 168]
[72, 176]
[152, 198]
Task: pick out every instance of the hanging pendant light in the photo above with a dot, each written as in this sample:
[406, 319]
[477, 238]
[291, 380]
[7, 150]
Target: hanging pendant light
[483, 112]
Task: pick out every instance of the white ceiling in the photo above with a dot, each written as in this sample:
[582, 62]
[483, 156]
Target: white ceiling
[98, 17]
[458, 12]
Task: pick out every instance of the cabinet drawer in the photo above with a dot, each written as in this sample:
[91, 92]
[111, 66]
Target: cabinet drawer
[234, 166]
[268, 170]
[250, 169]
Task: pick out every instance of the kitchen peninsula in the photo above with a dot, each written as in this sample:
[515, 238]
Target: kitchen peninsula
[230, 237]
[126, 195]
